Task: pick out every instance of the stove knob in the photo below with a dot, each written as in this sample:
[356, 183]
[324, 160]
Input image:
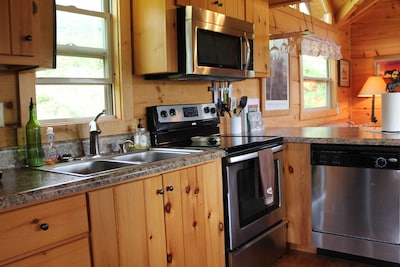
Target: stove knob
[172, 112]
[380, 162]
[163, 114]
[213, 110]
[206, 109]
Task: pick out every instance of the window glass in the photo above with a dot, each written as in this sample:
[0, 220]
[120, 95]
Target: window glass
[316, 82]
[81, 85]
[69, 101]
[80, 30]
[77, 67]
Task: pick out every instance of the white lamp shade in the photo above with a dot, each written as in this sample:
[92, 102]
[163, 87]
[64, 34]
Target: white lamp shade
[375, 85]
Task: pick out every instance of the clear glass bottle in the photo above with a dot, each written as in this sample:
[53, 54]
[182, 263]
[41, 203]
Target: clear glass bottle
[33, 139]
[142, 137]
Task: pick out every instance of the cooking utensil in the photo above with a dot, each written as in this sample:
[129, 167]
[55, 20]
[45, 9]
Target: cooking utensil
[242, 104]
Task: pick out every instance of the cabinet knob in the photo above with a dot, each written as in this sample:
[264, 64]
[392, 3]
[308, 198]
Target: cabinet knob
[160, 191]
[170, 188]
[28, 38]
[44, 226]
[218, 3]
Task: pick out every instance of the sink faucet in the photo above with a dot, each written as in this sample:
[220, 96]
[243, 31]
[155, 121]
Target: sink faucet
[94, 132]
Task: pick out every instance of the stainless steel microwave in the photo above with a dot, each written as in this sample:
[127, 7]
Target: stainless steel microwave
[212, 46]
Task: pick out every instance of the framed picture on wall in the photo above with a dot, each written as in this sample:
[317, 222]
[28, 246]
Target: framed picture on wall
[344, 73]
[386, 67]
[275, 89]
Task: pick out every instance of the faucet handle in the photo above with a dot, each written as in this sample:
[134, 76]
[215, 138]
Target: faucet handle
[123, 144]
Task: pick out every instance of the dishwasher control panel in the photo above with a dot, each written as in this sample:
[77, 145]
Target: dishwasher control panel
[379, 157]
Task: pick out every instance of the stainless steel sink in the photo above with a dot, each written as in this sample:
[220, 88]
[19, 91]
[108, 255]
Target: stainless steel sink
[87, 167]
[110, 163]
[154, 155]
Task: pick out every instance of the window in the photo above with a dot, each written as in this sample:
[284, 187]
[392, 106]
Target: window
[82, 84]
[316, 82]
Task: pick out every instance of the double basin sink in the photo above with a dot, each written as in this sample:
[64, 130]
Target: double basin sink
[104, 164]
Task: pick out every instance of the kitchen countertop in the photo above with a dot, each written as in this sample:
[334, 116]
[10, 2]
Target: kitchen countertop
[336, 135]
[22, 186]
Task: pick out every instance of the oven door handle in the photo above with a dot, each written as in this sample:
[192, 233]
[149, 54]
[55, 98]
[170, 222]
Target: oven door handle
[252, 155]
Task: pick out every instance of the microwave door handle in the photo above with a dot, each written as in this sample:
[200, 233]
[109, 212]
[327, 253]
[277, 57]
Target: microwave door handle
[247, 52]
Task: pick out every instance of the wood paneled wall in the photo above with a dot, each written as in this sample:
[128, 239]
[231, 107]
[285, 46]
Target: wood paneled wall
[375, 34]
[144, 93]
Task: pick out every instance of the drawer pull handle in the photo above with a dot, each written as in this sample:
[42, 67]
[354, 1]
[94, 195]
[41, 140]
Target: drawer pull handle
[28, 38]
[44, 226]
[170, 188]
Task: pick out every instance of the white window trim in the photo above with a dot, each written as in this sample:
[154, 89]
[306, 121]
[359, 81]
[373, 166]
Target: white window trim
[72, 50]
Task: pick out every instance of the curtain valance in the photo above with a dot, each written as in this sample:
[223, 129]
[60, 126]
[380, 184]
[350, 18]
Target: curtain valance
[313, 45]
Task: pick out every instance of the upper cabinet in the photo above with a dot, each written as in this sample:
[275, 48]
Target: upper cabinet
[257, 12]
[232, 8]
[27, 30]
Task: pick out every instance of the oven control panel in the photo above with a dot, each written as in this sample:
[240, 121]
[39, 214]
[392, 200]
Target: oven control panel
[187, 112]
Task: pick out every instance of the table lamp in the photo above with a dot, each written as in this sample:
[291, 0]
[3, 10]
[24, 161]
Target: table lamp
[374, 85]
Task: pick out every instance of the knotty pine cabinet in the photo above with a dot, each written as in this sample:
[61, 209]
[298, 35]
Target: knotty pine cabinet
[154, 46]
[232, 8]
[171, 219]
[298, 196]
[27, 32]
[46, 235]
[257, 12]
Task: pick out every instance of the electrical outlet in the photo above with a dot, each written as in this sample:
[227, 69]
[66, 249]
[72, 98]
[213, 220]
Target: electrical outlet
[1, 115]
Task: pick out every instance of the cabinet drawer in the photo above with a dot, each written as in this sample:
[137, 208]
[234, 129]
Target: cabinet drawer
[76, 253]
[41, 225]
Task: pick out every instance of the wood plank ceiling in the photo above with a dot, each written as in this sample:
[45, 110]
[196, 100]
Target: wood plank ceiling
[343, 12]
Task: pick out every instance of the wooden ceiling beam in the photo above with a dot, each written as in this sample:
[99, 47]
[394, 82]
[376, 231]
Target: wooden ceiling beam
[353, 9]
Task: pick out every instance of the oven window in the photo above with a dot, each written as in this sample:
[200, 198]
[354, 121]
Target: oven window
[218, 50]
[251, 206]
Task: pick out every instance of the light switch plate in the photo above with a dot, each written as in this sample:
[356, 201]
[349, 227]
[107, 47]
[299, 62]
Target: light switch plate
[1, 115]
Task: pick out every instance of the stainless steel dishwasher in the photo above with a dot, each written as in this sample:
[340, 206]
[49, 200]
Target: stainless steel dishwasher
[356, 200]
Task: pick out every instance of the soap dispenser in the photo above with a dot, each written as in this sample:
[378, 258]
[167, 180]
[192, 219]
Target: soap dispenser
[142, 137]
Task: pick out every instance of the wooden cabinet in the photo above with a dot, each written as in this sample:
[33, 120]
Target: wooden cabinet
[298, 195]
[48, 234]
[27, 30]
[232, 8]
[257, 12]
[171, 219]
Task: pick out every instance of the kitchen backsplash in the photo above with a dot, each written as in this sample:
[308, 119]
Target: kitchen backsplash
[15, 157]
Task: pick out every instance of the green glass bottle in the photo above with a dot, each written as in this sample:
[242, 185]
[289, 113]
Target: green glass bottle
[33, 139]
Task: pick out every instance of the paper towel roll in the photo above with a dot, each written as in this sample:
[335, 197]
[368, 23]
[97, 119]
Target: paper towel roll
[390, 112]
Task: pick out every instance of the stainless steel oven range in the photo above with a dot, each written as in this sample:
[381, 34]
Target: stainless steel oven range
[254, 191]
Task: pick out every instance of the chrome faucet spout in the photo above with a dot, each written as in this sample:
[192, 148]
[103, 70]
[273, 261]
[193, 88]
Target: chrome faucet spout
[94, 132]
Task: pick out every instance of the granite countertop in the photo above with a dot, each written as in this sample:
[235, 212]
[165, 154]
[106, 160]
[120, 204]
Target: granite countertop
[21, 186]
[336, 135]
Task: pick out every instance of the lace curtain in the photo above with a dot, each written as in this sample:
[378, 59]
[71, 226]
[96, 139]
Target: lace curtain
[317, 46]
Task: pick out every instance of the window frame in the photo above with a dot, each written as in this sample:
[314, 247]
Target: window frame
[107, 54]
[320, 112]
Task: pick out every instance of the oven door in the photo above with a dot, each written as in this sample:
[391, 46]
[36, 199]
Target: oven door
[247, 214]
